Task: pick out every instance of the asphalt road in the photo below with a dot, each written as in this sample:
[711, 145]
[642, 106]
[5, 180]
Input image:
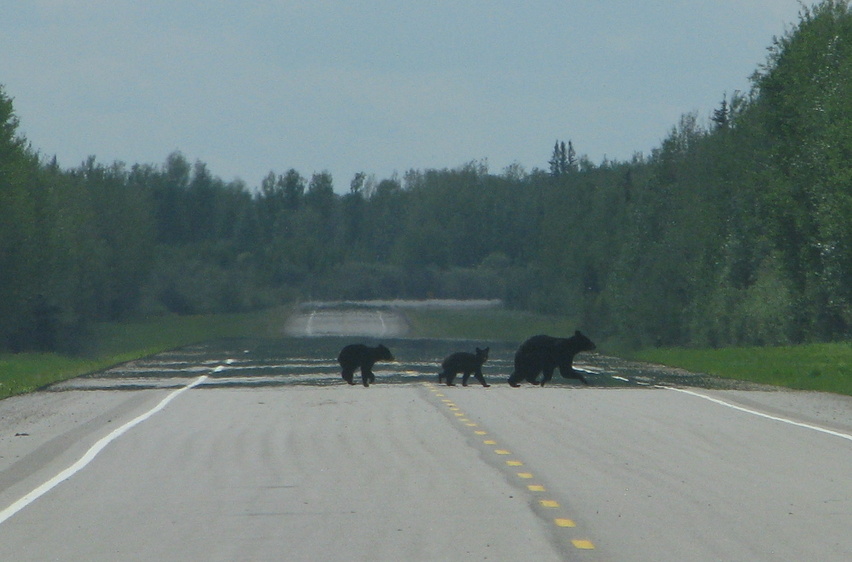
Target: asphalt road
[244, 450]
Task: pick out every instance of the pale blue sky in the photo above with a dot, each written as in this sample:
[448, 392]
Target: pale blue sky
[375, 86]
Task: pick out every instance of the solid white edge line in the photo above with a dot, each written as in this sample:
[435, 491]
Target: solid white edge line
[91, 454]
[384, 328]
[309, 329]
[761, 414]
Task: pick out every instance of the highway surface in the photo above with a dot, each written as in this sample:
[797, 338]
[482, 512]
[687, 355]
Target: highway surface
[257, 450]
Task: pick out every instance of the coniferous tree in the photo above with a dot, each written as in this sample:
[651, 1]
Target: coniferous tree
[556, 160]
[570, 158]
[721, 116]
[563, 159]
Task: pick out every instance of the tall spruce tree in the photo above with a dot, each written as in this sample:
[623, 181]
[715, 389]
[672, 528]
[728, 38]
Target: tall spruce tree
[563, 160]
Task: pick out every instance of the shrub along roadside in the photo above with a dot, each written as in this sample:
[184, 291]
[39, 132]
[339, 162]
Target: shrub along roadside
[118, 343]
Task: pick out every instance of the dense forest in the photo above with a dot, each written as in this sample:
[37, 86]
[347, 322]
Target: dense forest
[736, 230]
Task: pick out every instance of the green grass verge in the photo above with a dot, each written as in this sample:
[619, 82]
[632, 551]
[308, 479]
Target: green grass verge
[485, 324]
[824, 367]
[118, 343]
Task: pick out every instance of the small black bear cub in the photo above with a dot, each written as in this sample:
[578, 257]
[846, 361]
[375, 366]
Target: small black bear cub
[357, 356]
[542, 354]
[464, 362]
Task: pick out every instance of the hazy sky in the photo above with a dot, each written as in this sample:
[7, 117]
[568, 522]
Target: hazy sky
[375, 86]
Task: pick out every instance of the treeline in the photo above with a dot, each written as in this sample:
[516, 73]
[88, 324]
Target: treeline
[733, 231]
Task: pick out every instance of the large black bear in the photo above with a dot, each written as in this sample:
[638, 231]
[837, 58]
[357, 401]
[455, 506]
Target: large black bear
[542, 354]
[358, 355]
[464, 362]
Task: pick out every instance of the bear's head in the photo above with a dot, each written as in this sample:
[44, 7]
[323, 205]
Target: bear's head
[383, 353]
[579, 342]
[482, 355]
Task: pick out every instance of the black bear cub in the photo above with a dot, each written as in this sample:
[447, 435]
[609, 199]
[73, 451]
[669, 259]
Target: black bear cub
[542, 354]
[464, 362]
[360, 356]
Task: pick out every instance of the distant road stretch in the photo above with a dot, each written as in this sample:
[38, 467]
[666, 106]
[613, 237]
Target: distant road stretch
[377, 323]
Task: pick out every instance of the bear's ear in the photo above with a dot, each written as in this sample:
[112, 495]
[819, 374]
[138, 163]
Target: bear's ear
[577, 333]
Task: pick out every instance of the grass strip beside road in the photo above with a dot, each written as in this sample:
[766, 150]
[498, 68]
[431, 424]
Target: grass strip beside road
[118, 343]
[825, 367]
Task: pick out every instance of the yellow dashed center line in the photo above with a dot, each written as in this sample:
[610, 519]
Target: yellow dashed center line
[581, 544]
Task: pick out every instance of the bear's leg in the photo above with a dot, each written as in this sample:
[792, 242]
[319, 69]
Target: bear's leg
[366, 375]
[573, 374]
[480, 378]
[515, 378]
[548, 374]
[465, 377]
[451, 378]
[532, 377]
[348, 375]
